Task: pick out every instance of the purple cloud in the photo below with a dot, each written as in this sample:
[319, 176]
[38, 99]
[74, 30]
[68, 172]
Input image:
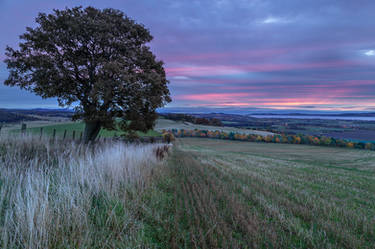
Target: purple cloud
[276, 54]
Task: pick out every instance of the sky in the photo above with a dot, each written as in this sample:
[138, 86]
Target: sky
[277, 54]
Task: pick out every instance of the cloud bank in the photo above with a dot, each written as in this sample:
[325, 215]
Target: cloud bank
[286, 54]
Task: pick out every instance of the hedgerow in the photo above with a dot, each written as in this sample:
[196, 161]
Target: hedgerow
[277, 138]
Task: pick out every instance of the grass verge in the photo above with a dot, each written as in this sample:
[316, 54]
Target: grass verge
[69, 195]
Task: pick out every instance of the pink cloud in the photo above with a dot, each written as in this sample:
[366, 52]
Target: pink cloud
[238, 69]
[314, 96]
[212, 96]
[261, 53]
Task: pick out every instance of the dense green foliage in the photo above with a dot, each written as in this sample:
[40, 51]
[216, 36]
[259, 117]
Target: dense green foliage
[97, 60]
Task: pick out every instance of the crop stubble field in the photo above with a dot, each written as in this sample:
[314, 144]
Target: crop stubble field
[208, 194]
[227, 194]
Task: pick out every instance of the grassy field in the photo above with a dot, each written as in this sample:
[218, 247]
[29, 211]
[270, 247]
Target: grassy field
[167, 124]
[79, 127]
[208, 194]
[227, 194]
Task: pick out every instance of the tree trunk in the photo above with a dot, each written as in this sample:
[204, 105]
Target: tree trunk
[92, 129]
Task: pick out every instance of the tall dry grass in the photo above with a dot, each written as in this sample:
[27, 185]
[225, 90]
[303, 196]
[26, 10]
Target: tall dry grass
[67, 195]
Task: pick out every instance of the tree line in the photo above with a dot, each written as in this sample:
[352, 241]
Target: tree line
[277, 138]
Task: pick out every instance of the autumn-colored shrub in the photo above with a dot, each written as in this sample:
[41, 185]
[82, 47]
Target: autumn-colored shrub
[350, 145]
[168, 137]
[369, 146]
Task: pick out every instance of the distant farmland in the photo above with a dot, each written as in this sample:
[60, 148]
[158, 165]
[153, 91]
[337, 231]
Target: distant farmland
[167, 124]
[360, 135]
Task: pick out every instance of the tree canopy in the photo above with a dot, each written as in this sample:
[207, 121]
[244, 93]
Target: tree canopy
[96, 60]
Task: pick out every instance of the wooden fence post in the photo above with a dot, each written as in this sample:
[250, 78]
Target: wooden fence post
[23, 128]
[41, 133]
[64, 135]
[74, 135]
[80, 137]
[54, 134]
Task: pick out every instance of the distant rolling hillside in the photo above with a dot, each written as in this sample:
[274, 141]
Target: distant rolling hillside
[170, 124]
[7, 116]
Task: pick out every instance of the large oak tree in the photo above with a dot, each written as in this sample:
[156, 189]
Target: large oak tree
[95, 60]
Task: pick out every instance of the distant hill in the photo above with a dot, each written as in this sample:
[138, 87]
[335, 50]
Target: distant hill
[7, 116]
[44, 112]
[18, 115]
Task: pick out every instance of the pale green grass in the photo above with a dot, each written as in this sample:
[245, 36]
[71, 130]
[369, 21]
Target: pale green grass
[166, 124]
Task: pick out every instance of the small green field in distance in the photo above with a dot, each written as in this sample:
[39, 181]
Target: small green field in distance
[167, 124]
[78, 127]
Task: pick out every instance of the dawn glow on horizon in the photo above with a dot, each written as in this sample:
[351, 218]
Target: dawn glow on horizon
[291, 54]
